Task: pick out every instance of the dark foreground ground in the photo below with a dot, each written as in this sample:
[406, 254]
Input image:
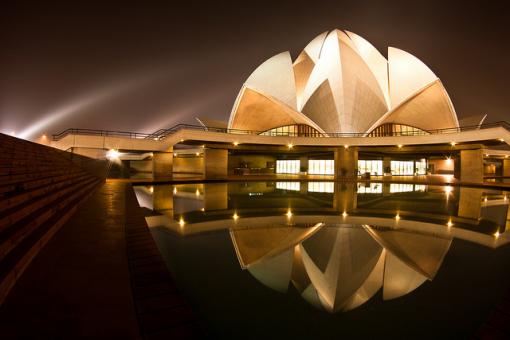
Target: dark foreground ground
[99, 277]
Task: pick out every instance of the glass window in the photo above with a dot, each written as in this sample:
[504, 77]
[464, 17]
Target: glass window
[374, 167]
[321, 167]
[293, 186]
[371, 188]
[287, 166]
[327, 187]
[421, 166]
[402, 168]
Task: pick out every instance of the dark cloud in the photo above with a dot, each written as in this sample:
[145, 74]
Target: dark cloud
[190, 59]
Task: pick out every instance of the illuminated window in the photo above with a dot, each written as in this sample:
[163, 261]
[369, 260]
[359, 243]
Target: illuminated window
[374, 167]
[391, 129]
[402, 168]
[294, 186]
[405, 187]
[293, 131]
[421, 166]
[327, 187]
[401, 187]
[321, 167]
[371, 188]
[287, 166]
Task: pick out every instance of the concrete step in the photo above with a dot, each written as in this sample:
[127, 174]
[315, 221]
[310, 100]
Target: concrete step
[17, 187]
[22, 209]
[12, 236]
[16, 261]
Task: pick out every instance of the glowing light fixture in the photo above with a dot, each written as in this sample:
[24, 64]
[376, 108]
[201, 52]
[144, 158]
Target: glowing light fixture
[235, 217]
[181, 222]
[344, 214]
[289, 213]
[501, 140]
[197, 192]
[112, 154]
[449, 224]
[346, 146]
[496, 234]
[453, 143]
[397, 217]
[175, 190]
[400, 146]
[449, 160]
[236, 143]
[151, 189]
[198, 153]
[290, 145]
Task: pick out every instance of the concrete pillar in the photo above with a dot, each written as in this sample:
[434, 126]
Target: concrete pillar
[216, 196]
[471, 165]
[346, 162]
[162, 164]
[163, 197]
[470, 202]
[386, 164]
[345, 197]
[456, 166]
[215, 163]
[303, 163]
[506, 168]
[386, 189]
[125, 167]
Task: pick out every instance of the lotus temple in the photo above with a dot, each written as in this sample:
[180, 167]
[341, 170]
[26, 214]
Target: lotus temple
[341, 197]
[340, 108]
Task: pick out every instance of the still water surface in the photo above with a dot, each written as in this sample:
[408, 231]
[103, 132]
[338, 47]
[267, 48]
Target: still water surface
[329, 260]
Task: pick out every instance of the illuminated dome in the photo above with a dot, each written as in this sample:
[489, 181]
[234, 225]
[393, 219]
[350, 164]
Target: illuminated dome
[340, 268]
[340, 83]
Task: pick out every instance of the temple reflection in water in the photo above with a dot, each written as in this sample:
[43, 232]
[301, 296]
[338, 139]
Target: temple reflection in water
[338, 244]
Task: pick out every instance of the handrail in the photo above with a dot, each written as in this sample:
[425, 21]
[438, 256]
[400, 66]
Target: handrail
[163, 133]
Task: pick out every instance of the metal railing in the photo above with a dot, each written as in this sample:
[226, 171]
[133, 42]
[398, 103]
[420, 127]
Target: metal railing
[163, 133]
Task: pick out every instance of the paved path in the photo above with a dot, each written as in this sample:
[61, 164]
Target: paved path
[79, 284]
[101, 276]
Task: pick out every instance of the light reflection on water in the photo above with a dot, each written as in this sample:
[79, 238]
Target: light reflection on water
[342, 249]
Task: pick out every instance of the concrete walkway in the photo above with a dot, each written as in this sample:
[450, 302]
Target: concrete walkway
[79, 284]
[100, 276]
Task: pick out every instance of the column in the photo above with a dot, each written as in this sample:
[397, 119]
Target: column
[471, 165]
[215, 163]
[346, 162]
[345, 197]
[303, 163]
[470, 200]
[386, 165]
[125, 169]
[216, 196]
[162, 197]
[506, 168]
[162, 164]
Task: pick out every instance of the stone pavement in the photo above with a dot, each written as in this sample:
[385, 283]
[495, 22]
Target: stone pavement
[98, 277]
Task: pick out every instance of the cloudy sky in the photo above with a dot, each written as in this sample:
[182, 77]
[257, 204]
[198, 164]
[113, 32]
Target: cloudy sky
[143, 67]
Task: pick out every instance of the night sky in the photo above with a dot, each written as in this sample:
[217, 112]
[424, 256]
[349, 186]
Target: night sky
[143, 67]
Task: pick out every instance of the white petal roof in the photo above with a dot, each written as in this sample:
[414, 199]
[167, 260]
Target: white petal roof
[341, 83]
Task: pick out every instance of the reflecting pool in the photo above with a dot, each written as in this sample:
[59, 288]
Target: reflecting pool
[331, 259]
